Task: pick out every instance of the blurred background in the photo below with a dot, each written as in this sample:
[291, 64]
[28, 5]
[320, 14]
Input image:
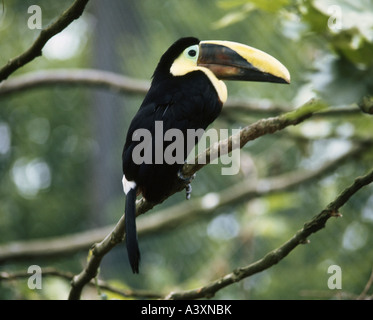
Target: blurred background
[61, 145]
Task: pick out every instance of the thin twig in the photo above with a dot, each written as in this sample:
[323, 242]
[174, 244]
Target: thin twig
[364, 294]
[71, 14]
[52, 272]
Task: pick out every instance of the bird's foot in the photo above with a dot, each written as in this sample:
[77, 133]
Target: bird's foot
[187, 180]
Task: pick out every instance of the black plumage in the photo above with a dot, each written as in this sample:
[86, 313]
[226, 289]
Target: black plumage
[186, 93]
[182, 102]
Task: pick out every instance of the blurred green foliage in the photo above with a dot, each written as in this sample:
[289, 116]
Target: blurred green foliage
[49, 143]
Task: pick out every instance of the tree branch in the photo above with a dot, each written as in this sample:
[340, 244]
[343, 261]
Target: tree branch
[71, 14]
[51, 272]
[273, 257]
[185, 212]
[123, 84]
[51, 247]
[84, 77]
[251, 132]
[364, 294]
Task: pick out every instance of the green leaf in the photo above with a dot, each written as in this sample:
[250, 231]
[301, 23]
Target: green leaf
[231, 4]
[269, 5]
[353, 14]
[265, 5]
[234, 17]
[245, 7]
[340, 82]
[348, 26]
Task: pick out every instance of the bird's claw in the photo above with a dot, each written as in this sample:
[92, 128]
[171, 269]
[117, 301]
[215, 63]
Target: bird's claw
[187, 180]
[188, 190]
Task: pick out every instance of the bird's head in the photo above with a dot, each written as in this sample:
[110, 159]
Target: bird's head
[221, 60]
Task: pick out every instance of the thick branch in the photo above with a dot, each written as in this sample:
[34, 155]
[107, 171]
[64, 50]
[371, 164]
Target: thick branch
[83, 77]
[252, 132]
[51, 247]
[316, 224]
[123, 84]
[71, 14]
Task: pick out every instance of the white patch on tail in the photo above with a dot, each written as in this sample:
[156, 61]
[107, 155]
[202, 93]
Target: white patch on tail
[128, 185]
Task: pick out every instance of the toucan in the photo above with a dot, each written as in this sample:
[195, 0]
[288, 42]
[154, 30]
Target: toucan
[186, 92]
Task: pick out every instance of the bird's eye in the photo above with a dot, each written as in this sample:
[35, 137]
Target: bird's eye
[192, 53]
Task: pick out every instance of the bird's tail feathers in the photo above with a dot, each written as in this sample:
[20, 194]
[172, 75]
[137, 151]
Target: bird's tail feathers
[131, 231]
